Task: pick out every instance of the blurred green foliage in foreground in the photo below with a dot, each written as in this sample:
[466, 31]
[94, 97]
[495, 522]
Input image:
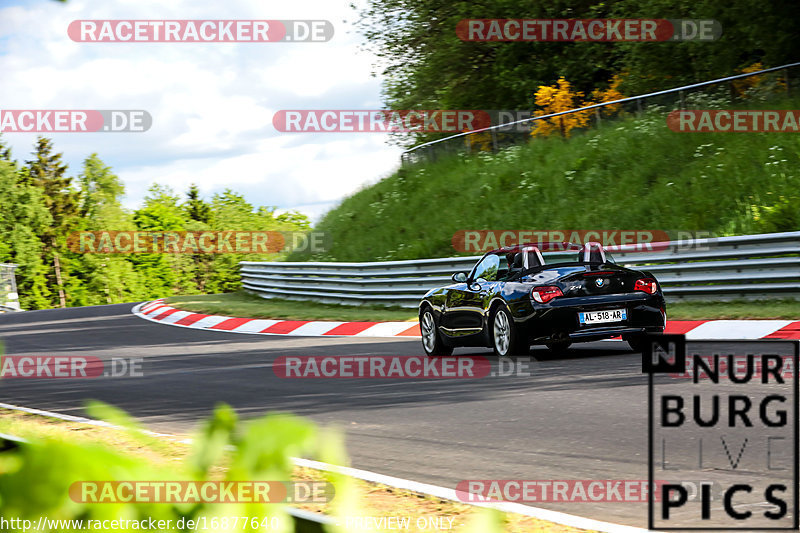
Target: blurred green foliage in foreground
[35, 479]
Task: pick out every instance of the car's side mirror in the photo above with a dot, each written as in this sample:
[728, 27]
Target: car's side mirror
[460, 277]
[475, 285]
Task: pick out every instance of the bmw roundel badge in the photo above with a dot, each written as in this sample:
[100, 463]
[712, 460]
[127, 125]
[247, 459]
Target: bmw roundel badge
[599, 282]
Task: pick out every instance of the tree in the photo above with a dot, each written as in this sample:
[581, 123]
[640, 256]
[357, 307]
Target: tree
[294, 218]
[46, 171]
[560, 97]
[773, 41]
[427, 66]
[100, 191]
[199, 212]
[196, 208]
[5, 151]
[102, 279]
[23, 219]
[41, 206]
[555, 99]
[160, 211]
[166, 274]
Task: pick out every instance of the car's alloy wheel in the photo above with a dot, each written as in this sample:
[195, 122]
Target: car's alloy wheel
[428, 331]
[505, 337]
[502, 333]
[431, 341]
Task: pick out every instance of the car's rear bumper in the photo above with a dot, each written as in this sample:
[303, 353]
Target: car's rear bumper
[560, 322]
[605, 333]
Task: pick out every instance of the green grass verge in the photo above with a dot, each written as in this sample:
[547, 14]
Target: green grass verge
[629, 174]
[241, 304]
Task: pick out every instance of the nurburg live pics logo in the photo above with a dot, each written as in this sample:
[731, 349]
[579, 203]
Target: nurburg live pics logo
[734, 425]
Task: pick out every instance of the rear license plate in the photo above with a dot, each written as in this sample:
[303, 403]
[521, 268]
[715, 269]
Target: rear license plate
[599, 317]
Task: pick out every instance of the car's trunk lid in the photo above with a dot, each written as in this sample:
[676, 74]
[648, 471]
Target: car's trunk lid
[588, 280]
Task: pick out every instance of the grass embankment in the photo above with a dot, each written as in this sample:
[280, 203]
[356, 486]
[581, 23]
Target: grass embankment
[630, 174]
[241, 304]
[376, 500]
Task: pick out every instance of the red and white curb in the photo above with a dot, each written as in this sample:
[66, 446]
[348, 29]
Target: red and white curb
[158, 311]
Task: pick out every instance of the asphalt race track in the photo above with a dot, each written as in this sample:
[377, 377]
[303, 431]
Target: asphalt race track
[580, 416]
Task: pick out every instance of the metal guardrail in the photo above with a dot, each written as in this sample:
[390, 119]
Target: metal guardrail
[9, 298]
[428, 149]
[753, 266]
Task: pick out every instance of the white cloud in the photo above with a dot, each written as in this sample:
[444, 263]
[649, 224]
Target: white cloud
[212, 103]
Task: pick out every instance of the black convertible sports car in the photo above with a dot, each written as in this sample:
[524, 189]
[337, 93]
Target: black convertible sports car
[511, 299]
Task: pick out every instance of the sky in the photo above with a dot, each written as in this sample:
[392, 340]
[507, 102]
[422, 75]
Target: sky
[212, 103]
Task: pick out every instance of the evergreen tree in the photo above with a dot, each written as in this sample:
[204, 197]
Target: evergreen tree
[23, 219]
[47, 172]
[5, 151]
[196, 207]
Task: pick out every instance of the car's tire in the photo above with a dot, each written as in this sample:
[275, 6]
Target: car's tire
[432, 341]
[506, 338]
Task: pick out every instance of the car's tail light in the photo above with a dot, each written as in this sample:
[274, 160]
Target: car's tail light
[545, 294]
[647, 285]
